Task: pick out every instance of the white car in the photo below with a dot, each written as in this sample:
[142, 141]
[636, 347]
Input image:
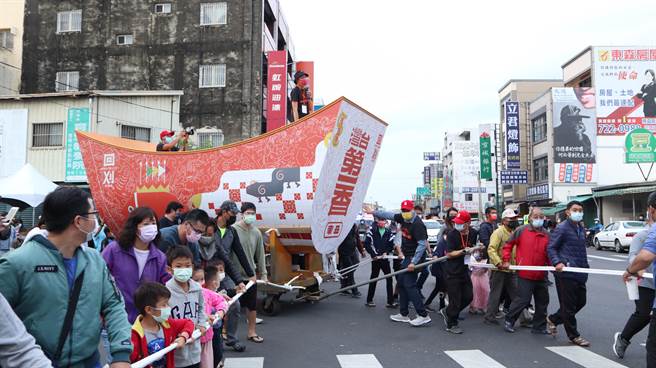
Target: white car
[618, 235]
[433, 228]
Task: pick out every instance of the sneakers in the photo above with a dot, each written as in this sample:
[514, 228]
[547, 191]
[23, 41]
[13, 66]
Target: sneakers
[620, 345]
[370, 304]
[420, 321]
[443, 314]
[454, 330]
[392, 305]
[400, 318]
[508, 326]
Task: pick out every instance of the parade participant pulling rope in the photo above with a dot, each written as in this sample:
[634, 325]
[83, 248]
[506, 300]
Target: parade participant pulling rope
[160, 354]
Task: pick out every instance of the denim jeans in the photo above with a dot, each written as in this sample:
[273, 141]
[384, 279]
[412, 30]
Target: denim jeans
[409, 292]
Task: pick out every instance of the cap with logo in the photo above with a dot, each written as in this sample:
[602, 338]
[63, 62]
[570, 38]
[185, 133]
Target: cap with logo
[463, 217]
[407, 205]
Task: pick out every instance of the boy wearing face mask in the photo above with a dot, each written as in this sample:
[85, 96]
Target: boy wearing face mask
[186, 302]
[253, 244]
[153, 330]
[501, 281]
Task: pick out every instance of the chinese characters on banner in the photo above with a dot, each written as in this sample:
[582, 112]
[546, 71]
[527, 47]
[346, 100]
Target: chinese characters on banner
[541, 191]
[512, 134]
[625, 89]
[431, 156]
[276, 90]
[514, 177]
[486, 156]
[427, 176]
[575, 173]
[575, 137]
[78, 119]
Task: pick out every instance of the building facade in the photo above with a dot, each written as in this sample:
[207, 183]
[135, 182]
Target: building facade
[11, 46]
[213, 51]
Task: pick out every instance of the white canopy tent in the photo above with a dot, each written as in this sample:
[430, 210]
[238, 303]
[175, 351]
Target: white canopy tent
[26, 185]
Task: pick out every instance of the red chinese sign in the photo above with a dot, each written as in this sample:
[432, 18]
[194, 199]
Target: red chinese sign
[276, 90]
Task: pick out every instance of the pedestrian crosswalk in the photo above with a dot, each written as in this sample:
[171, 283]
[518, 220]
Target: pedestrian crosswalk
[464, 358]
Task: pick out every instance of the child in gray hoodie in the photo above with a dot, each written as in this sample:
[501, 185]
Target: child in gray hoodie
[186, 302]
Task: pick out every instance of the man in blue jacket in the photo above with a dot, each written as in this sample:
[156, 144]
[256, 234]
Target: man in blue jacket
[567, 249]
[380, 243]
[41, 278]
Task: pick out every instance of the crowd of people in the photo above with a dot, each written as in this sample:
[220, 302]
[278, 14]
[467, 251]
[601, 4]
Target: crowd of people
[160, 280]
[153, 285]
[477, 273]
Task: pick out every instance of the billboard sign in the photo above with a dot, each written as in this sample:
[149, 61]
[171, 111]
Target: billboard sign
[625, 88]
[78, 119]
[575, 173]
[431, 156]
[512, 134]
[485, 148]
[514, 177]
[13, 141]
[542, 191]
[640, 146]
[276, 90]
[575, 139]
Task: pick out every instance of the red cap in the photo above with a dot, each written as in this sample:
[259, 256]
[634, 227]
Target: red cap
[166, 133]
[462, 217]
[407, 205]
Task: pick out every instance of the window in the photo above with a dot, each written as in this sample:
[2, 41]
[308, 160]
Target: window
[469, 197]
[212, 14]
[163, 8]
[135, 133]
[67, 81]
[213, 75]
[539, 126]
[124, 39]
[541, 169]
[7, 39]
[47, 134]
[628, 206]
[69, 21]
[210, 139]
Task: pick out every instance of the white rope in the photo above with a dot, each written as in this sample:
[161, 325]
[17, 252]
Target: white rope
[595, 271]
[160, 354]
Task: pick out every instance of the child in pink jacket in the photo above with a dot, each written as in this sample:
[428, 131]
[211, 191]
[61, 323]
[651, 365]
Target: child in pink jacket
[214, 304]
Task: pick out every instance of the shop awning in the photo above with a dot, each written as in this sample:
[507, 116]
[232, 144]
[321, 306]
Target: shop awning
[552, 211]
[623, 191]
[581, 198]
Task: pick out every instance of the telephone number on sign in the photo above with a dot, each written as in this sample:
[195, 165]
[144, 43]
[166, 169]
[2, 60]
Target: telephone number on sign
[616, 129]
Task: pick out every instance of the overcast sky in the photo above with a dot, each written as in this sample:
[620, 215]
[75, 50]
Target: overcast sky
[427, 67]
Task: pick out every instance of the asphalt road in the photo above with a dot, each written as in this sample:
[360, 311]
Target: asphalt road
[320, 334]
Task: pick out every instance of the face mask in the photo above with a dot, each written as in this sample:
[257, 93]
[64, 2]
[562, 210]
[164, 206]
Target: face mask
[206, 240]
[576, 216]
[164, 314]
[513, 224]
[168, 139]
[231, 220]
[182, 274]
[90, 234]
[249, 219]
[537, 222]
[148, 233]
[459, 227]
[407, 216]
[221, 276]
[493, 217]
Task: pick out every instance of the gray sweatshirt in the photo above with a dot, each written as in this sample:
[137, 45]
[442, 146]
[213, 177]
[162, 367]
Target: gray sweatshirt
[17, 347]
[189, 305]
[636, 244]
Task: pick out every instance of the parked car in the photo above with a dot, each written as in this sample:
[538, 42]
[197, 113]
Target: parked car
[433, 228]
[618, 235]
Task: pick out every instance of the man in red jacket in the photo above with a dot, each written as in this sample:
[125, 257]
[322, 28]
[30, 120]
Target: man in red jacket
[530, 242]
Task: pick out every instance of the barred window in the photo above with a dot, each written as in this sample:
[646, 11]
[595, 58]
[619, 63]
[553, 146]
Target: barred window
[69, 21]
[213, 14]
[7, 39]
[135, 133]
[212, 75]
[163, 8]
[47, 134]
[67, 81]
[125, 39]
[210, 139]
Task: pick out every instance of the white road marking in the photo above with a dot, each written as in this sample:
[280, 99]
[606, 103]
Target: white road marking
[605, 258]
[473, 359]
[620, 256]
[244, 362]
[584, 357]
[358, 361]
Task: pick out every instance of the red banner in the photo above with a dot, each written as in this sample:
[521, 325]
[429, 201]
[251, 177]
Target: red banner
[276, 90]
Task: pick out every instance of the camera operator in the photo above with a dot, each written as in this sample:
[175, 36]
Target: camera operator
[172, 142]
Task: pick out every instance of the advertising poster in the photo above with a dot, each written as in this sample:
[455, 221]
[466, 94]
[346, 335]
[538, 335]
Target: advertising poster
[308, 180]
[276, 90]
[625, 86]
[575, 137]
[13, 141]
[78, 119]
[512, 135]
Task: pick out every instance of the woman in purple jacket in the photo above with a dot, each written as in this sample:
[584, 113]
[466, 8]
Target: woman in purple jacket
[134, 258]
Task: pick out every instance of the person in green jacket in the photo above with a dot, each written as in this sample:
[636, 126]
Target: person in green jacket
[253, 244]
[38, 279]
